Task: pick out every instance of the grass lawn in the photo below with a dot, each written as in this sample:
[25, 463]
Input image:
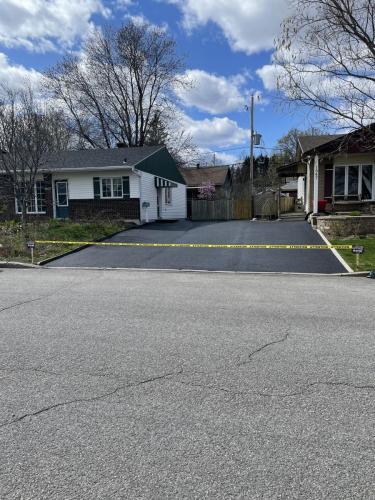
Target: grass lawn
[13, 237]
[366, 260]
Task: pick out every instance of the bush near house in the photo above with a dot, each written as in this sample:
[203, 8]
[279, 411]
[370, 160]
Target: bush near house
[14, 236]
[366, 260]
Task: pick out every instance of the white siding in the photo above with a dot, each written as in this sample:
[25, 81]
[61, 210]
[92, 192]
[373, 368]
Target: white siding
[176, 209]
[81, 186]
[148, 194]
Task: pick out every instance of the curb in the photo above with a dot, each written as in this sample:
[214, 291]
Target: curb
[17, 265]
[206, 271]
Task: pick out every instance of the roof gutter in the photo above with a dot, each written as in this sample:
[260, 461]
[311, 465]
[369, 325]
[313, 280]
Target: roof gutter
[91, 169]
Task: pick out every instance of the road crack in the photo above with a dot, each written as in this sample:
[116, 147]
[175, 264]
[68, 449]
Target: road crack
[54, 292]
[262, 348]
[92, 398]
[280, 395]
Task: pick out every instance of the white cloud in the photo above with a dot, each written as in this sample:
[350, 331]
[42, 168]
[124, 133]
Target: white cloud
[249, 25]
[211, 93]
[269, 74]
[212, 132]
[42, 25]
[140, 19]
[210, 157]
[16, 76]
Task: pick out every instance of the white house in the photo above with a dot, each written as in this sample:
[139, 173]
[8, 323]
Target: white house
[139, 184]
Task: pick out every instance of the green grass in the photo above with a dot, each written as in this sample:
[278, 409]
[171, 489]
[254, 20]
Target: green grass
[13, 237]
[366, 260]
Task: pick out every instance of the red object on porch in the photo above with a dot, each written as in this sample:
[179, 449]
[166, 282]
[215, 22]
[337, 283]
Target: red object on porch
[322, 205]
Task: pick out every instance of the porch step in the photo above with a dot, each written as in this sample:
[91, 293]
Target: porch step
[293, 216]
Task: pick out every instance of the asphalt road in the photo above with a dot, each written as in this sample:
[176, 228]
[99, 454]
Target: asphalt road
[300, 261]
[155, 385]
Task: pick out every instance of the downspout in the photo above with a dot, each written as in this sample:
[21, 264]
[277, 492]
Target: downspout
[138, 173]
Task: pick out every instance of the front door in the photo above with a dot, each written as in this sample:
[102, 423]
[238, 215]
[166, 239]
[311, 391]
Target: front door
[62, 199]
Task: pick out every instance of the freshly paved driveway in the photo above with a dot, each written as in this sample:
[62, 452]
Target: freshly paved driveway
[312, 261]
[151, 385]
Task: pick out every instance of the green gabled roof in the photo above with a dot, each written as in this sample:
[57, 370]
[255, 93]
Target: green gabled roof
[161, 164]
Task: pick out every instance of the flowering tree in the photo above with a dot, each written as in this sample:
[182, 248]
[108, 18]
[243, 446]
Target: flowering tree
[206, 191]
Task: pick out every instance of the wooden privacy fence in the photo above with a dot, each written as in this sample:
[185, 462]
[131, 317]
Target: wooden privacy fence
[265, 206]
[222, 209]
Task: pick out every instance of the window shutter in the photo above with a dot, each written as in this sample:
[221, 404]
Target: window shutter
[96, 187]
[125, 187]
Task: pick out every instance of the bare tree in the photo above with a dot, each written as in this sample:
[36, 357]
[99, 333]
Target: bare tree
[164, 130]
[123, 80]
[325, 59]
[29, 130]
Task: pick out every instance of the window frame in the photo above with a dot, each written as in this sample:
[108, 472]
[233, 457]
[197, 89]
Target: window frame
[358, 196]
[112, 190]
[57, 194]
[34, 201]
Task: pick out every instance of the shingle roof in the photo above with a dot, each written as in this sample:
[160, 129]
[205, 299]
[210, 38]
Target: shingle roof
[97, 158]
[196, 176]
[308, 142]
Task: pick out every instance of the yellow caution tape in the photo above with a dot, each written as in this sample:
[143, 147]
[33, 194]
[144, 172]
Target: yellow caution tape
[198, 245]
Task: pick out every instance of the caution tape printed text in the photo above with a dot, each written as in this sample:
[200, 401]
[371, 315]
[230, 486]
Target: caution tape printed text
[199, 245]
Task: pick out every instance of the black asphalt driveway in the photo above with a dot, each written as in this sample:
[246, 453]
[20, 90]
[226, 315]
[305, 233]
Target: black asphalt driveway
[231, 232]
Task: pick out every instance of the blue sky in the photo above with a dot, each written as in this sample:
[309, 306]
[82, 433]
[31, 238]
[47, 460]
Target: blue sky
[227, 45]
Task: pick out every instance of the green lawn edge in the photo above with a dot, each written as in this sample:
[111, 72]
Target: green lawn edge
[366, 260]
[13, 237]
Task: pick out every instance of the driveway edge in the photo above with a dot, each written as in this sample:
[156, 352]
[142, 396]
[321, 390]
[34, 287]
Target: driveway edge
[335, 252]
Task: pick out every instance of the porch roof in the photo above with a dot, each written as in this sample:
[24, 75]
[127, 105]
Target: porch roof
[294, 169]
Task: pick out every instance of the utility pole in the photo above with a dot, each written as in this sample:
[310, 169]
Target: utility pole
[251, 171]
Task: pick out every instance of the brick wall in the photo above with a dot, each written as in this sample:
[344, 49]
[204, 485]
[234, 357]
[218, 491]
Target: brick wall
[342, 226]
[120, 209]
[7, 199]
[7, 203]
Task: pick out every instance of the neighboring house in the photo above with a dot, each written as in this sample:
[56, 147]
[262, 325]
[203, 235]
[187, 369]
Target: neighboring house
[290, 188]
[220, 177]
[336, 172]
[138, 184]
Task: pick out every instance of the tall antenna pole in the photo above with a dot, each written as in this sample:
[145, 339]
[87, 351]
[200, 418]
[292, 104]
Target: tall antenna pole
[251, 172]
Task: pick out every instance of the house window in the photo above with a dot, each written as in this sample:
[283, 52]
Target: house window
[340, 181]
[111, 187]
[354, 182]
[368, 191]
[37, 202]
[168, 195]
